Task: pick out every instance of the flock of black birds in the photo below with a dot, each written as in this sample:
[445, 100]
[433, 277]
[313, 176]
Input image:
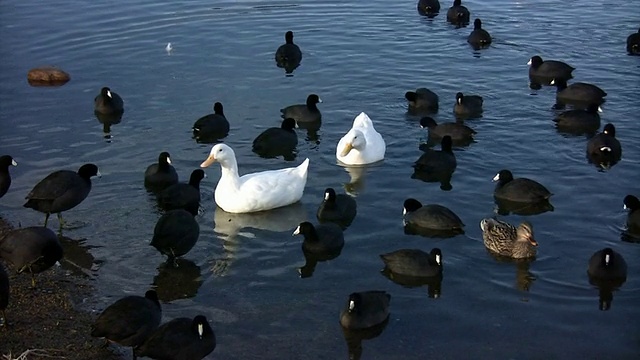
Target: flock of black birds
[134, 321]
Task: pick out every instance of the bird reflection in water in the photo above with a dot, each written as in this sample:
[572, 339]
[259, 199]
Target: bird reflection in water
[442, 177]
[524, 277]
[354, 338]
[433, 284]
[77, 257]
[605, 290]
[312, 259]
[231, 228]
[177, 279]
[107, 120]
[506, 207]
[312, 132]
[410, 229]
[356, 183]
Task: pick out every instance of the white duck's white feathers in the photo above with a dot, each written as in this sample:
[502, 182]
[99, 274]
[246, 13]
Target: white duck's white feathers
[258, 191]
[362, 144]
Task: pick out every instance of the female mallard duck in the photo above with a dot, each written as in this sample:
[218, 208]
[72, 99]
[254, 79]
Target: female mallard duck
[507, 240]
[259, 191]
[362, 144]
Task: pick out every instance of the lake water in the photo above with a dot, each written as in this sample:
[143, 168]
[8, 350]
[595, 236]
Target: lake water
[243, 272]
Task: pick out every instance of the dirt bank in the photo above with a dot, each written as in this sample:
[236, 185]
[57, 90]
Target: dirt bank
[48, 317]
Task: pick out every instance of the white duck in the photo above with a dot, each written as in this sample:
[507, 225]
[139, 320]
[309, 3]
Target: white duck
[258, 191]
[362, 144]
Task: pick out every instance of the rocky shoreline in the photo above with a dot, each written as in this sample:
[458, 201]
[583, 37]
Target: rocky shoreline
[47, 322]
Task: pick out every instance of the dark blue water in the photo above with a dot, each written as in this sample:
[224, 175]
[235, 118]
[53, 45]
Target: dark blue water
[243, 272]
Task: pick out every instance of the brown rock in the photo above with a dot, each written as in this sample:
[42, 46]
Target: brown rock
[47, 76]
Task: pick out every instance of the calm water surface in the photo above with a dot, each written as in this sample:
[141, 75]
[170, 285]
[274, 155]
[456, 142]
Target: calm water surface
[243, 273]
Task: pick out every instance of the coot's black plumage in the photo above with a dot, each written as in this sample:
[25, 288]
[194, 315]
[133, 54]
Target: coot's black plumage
[277, 141]
[180, 339]
[579, 120]
[337, 208]
[468, 105]
[31, 249]
[130, 320]
[544, 71]
[162, 174]
[422, 101]
[288, 55]
[479, 37]
[458, 14]
[459, 132]
[428, 8]
[108, 102]
[633, 43]
[5, 177]
[365, 309]
[304, 113]
[414, 262]
[604, 147]
[211, 127]
[183, 196]
[320, 239]
[61, 190]
[175, 233]
[521, 190]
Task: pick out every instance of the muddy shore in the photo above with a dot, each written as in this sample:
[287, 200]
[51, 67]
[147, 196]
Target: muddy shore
[50, 317]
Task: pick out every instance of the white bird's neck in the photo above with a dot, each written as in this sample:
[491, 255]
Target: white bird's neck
[229, 172]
